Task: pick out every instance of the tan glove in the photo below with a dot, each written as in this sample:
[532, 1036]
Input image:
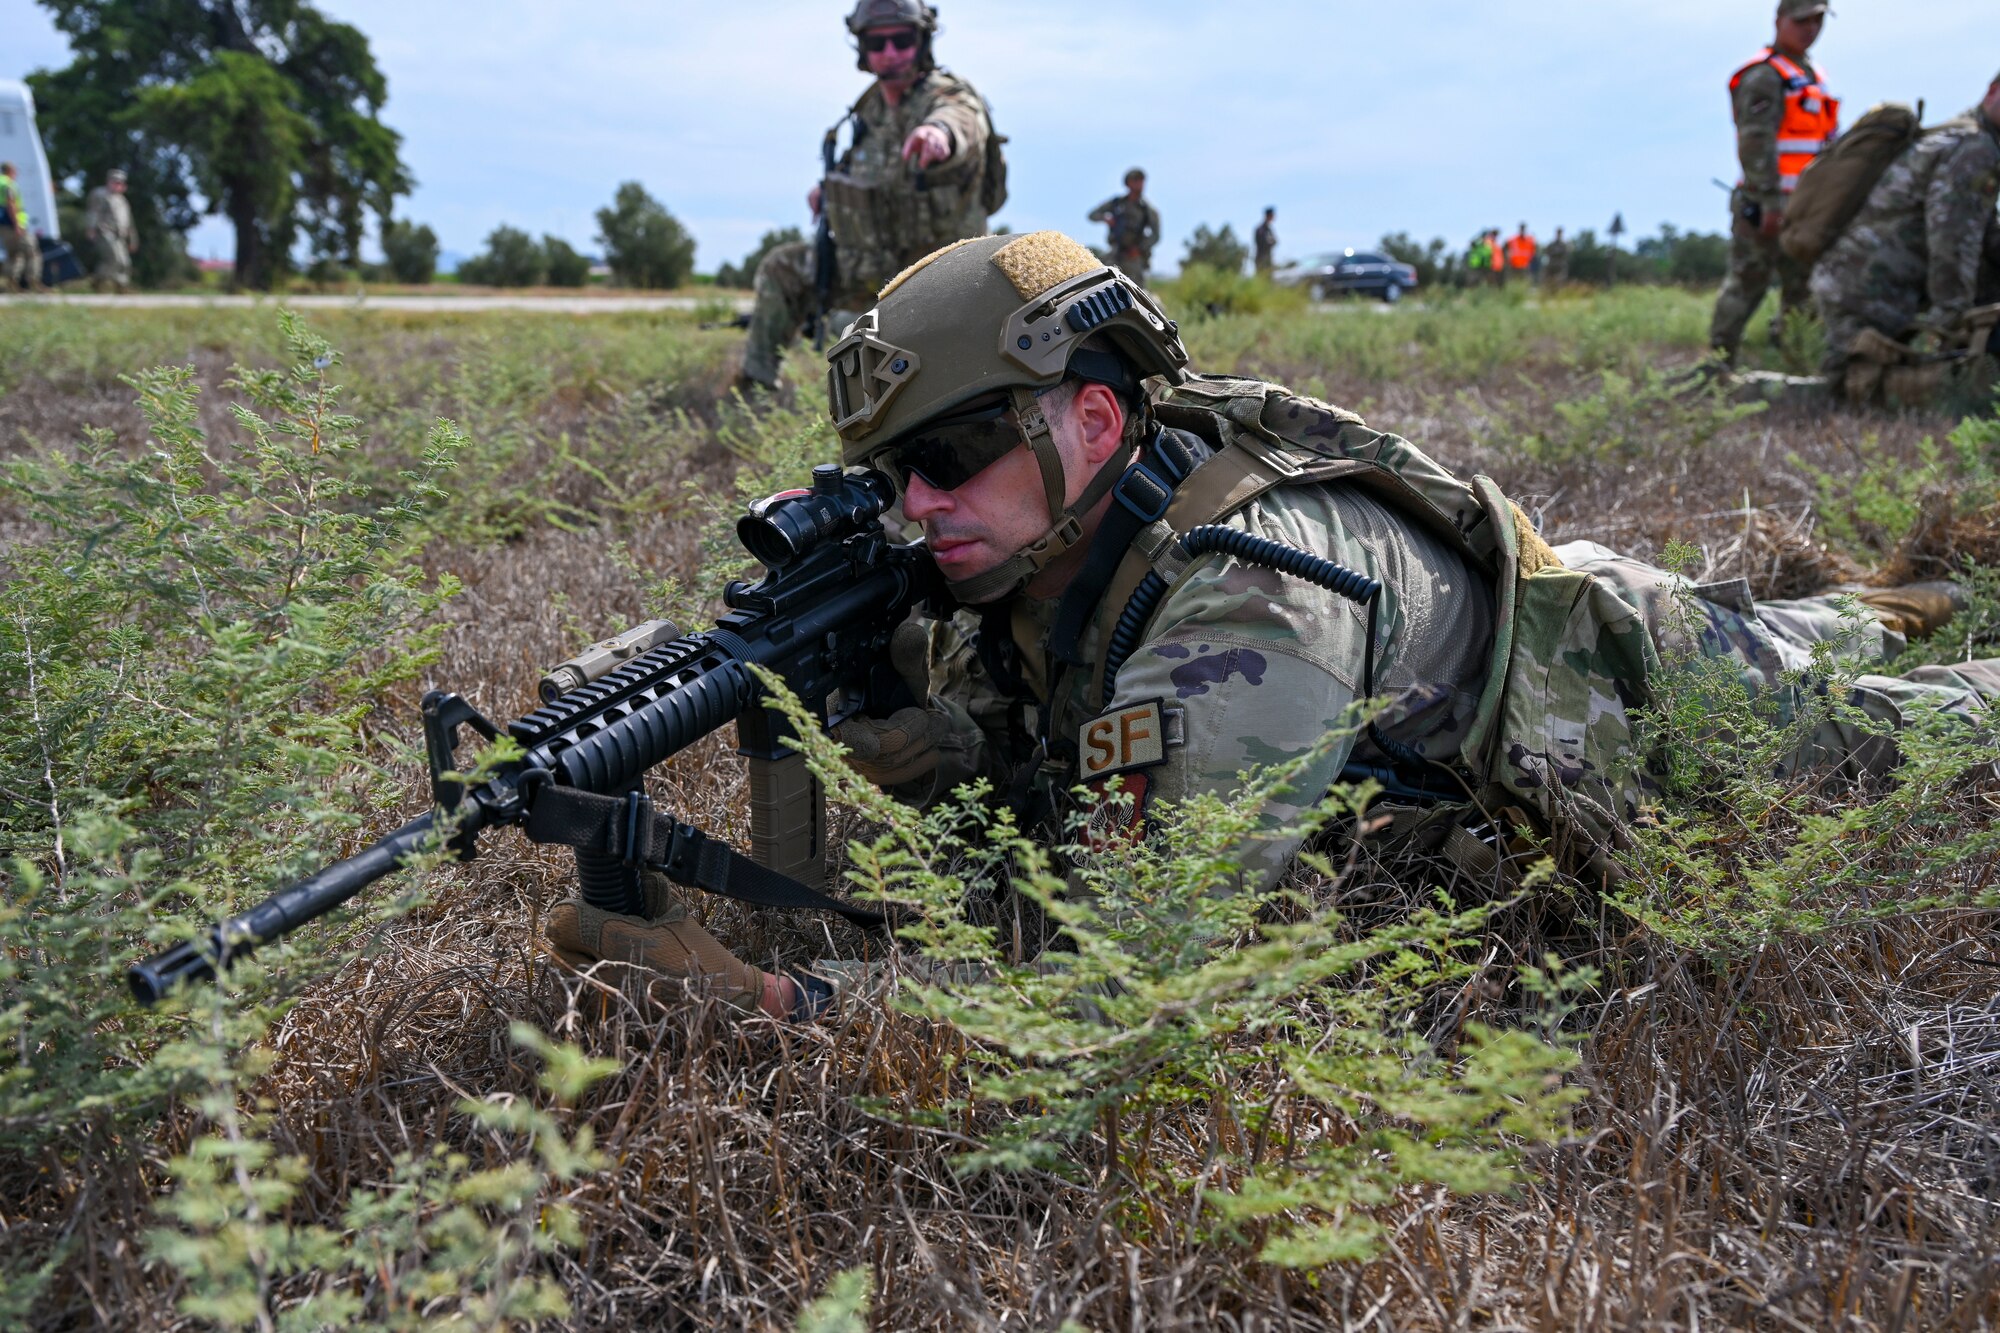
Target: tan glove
[911, 744]
[666, 940]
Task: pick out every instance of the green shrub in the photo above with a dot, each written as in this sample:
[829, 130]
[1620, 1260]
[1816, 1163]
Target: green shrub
[745, 274]
[411, 251]
[1218, 250]
[512, 258]
[644, 244]
[566, 268]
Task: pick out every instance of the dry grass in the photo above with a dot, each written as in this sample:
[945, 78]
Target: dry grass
[1802, 1140]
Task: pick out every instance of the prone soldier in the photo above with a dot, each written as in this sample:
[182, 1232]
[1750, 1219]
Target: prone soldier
[1784, 118]
[1114, 526]
[1920, 256]
[923, 169]
[1132, 227]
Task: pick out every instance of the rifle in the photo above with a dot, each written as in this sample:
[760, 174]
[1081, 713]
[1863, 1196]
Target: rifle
[826, 261]
[835, 588]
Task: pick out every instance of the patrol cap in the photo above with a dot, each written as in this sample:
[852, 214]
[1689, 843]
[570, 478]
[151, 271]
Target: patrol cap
[116, 175]
[1802, 9]
[1135, 174]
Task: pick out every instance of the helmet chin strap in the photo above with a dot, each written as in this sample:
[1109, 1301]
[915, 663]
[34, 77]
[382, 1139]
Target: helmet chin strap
[1065, 524]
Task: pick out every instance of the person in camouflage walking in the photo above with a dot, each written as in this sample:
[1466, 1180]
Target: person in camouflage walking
[1132, 227]
[1037, 413]
[923, 169]
[107, 222]
[1913, 261]
[1784, 118]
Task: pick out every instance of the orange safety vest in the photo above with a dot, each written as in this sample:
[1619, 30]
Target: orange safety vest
[1812, 115]
[1520, 250]
[1499, 254]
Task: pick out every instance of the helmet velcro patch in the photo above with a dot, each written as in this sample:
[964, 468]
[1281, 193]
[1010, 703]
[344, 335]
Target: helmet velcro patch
[904, 276]
[1041, 260]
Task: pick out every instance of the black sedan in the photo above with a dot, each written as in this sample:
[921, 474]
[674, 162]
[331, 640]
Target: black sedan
[1353, 272]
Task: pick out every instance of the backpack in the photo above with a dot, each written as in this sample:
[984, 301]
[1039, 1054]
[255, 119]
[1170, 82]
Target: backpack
[993, 177]
[1833, 189]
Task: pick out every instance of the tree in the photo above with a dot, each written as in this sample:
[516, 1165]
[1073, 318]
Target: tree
[266, 108]
[563, 265]
[411, 250]
[1216, 249]
[644, 244]
[512, 259]
[745, 274]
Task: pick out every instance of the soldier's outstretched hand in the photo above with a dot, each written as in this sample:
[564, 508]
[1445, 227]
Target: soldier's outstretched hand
[812, 201]
[1771, 222]
[927, 146]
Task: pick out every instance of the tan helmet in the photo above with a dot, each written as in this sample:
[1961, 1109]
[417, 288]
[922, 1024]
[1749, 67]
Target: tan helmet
[989, 319]
[893, 13]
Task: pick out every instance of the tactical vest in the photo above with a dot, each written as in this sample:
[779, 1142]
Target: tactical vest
[13, 205]
[1552, 745]
[1812, 115]
[882, 226]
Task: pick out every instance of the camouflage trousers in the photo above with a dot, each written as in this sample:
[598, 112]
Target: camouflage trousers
[786, 302]
[1753, 262]
[1763, 641]
[1134, 264]
[23, 266]
[114, 265]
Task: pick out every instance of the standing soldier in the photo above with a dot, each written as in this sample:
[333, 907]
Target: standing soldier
[923, 170]
[1911, 262]
[1133, 227]
[23, 262]
[107, 221]
[1521, 249]
[1555, 261]
[1784, 119]
[1267, 244]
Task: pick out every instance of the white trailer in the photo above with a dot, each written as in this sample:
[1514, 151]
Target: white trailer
[22, 145]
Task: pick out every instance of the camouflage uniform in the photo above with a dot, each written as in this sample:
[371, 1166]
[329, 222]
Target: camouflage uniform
[1913, 258]
[885, 216]
[1132, 230]
[1555, 262]
[1249, 666]
[107, 221]
[1758, 105]
[1266, 239]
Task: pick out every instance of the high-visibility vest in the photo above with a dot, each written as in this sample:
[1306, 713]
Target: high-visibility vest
[1812, 115]
[1520, 251]
[1499, 251]
[13, 205]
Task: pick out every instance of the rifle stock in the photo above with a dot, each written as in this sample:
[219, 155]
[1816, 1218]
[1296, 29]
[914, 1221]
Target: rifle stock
[835, 588]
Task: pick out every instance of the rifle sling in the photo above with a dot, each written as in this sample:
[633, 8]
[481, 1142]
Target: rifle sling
[631, 829]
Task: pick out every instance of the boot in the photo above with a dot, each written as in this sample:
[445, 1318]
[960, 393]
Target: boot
[1915, 610]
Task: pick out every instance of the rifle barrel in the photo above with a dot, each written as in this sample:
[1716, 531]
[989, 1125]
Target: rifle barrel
[316, 895]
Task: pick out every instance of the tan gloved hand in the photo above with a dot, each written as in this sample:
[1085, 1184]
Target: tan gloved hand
[666, 940]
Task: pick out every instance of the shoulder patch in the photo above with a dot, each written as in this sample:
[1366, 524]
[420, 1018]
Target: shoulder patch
[1131, 737]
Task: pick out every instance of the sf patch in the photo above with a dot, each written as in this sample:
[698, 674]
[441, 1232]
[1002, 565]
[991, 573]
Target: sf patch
[1132, 737]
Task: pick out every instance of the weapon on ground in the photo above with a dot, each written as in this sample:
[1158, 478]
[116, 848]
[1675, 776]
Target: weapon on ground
[826, 260]
[835, 588]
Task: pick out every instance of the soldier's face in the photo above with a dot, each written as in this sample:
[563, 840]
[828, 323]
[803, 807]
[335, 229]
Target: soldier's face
[1799, 34]
[891, 52]
[1001, 510]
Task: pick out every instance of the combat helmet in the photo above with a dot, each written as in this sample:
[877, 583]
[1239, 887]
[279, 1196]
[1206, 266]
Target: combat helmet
[957, 347]
[891, 13]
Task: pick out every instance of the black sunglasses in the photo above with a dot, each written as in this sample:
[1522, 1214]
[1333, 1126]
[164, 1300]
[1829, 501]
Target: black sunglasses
[947, 454]
[876, 41]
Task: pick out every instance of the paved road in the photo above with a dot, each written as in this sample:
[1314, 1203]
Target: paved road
[552, 305]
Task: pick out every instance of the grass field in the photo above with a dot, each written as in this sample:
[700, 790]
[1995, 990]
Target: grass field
[1755, 1091]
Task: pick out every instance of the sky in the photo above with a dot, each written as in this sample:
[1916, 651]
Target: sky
[1436, 117]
